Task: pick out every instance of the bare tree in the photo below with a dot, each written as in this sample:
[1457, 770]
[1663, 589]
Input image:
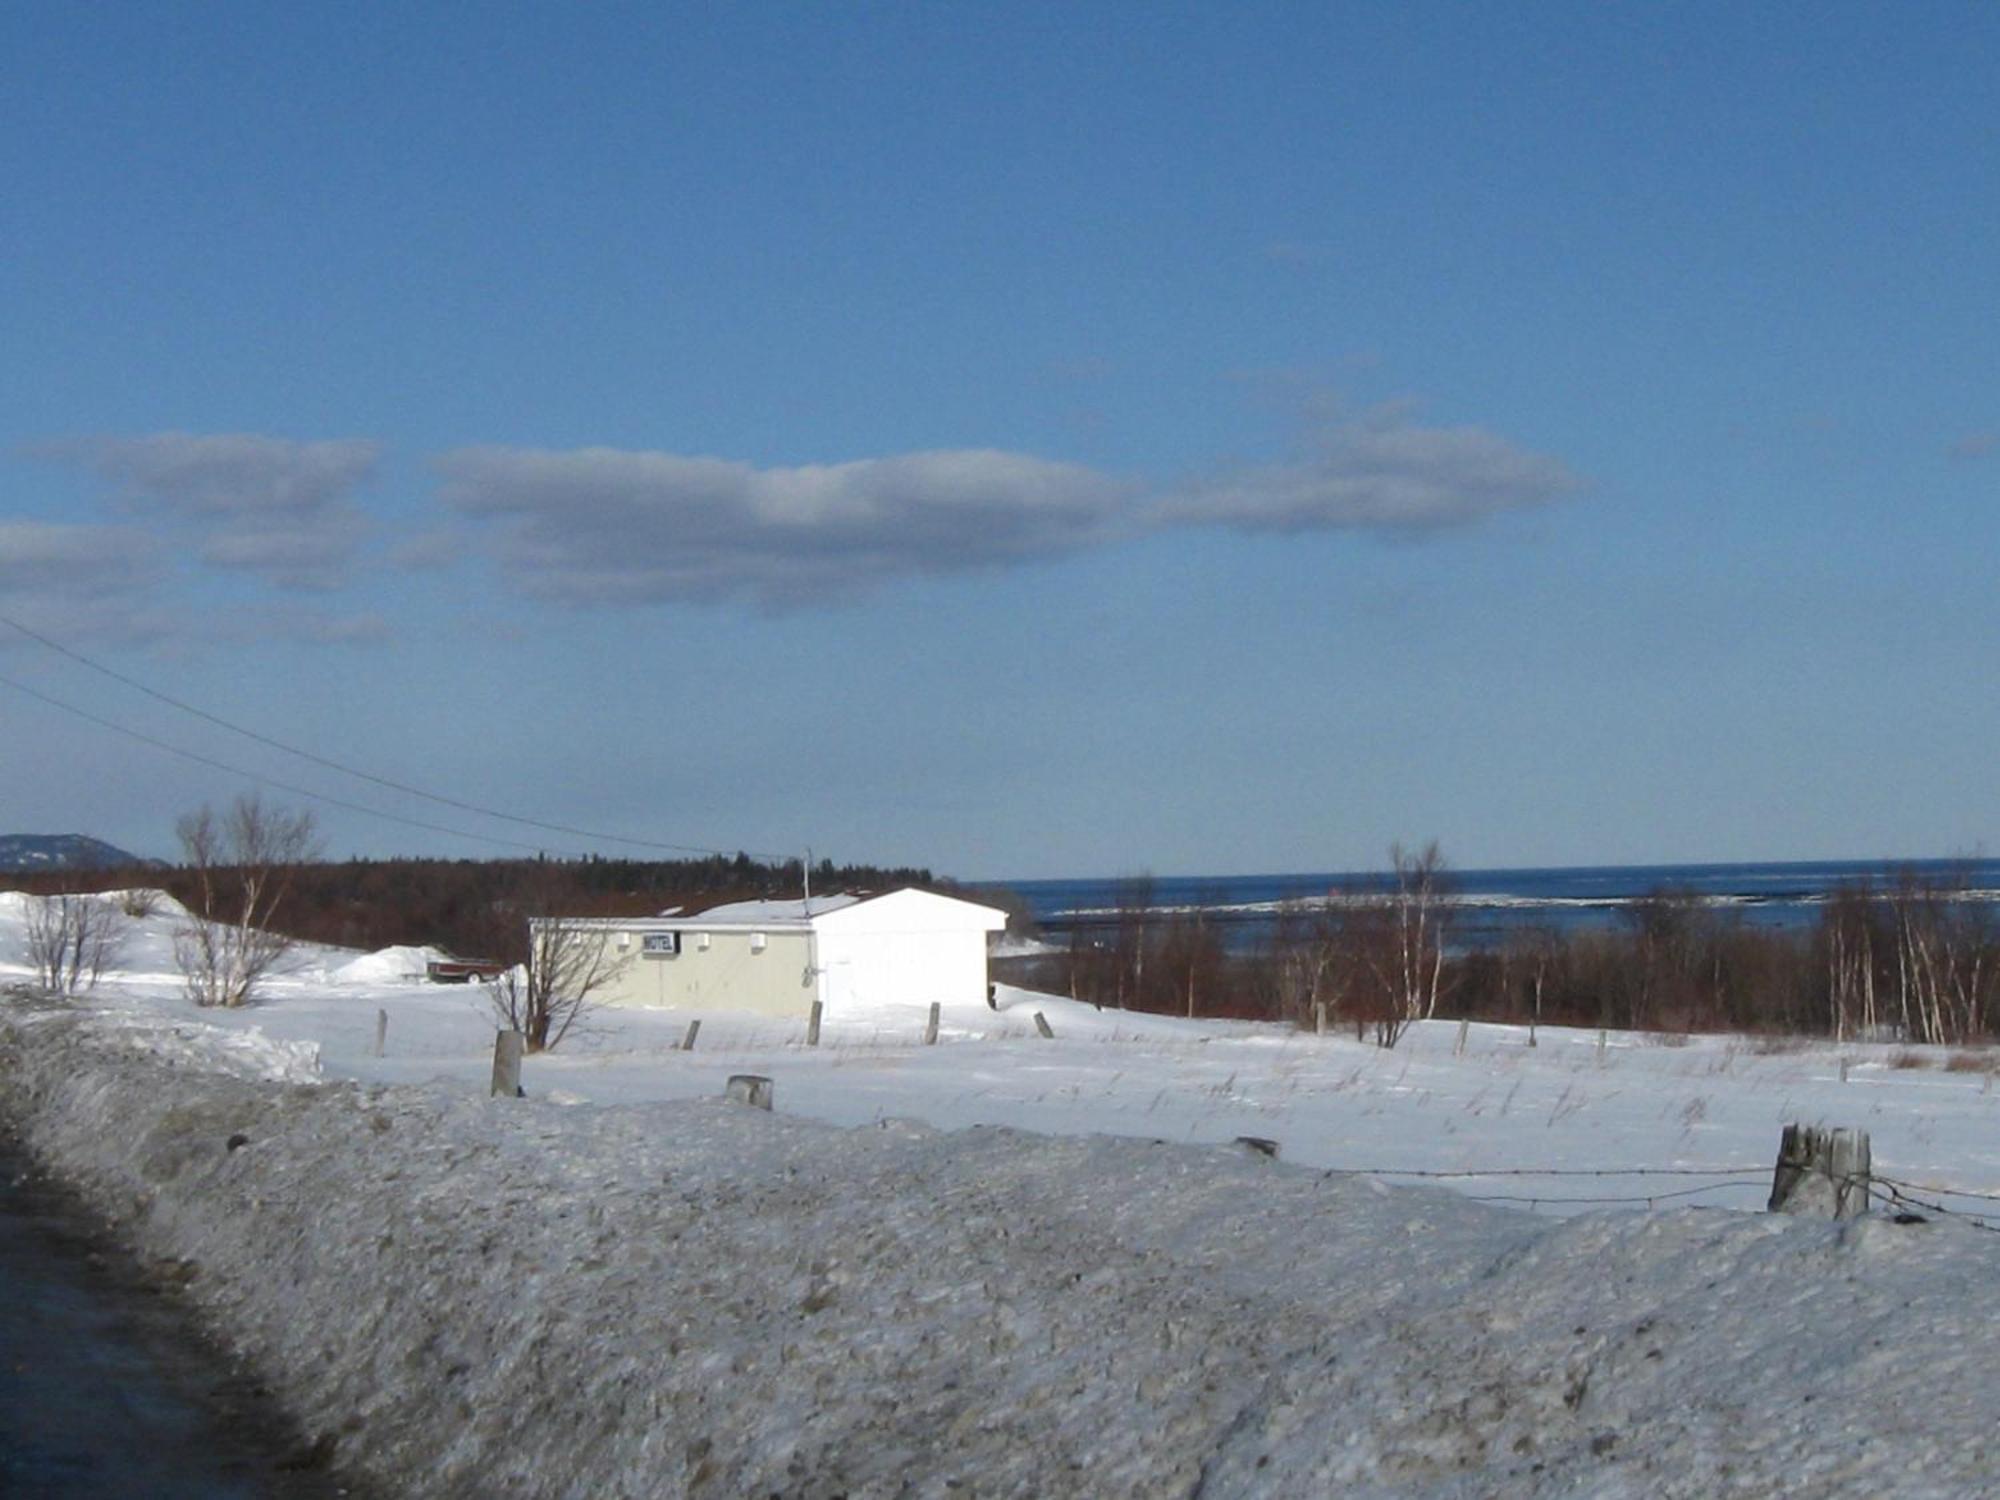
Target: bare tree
[1134, 938]
[1191, 960]
[1676, 945]
[566, 962]
[546, 996]
[72, 940]
[1847, 938]
[1943, 953]
[1417, 906]
[243, 860]
[1531, 951]
[1370, 958]
[1304, 960]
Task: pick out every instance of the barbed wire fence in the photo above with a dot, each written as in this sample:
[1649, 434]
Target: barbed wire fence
[1908, 1200]
[1718, 1179]
[1902, 1198]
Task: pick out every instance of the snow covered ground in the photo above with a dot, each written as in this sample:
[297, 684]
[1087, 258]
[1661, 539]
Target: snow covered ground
[623, 1286]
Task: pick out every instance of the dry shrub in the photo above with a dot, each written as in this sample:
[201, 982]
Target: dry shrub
[1777, 1046]
[1908, 1059]
[1971, 1062]
[141, 902]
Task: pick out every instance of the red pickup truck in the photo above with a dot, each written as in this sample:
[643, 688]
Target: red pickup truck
[463, 970]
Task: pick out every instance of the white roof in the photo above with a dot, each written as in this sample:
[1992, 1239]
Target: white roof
[792, 916]
[769, 913]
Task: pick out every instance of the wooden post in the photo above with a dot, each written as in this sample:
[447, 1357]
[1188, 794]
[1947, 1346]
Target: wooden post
[507, 1049]
[931, 1026]
[1603, 1040]
[750, 1089]
[812, 1024]
[1042, 1025]
[381, 1031]
[1821, 1171]
[1319, 1018]
[1843, 1070]
[1464, 1031]
[693, 1031]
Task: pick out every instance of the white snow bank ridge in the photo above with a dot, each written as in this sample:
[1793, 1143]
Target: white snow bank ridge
[400, 965]
[475, 1297]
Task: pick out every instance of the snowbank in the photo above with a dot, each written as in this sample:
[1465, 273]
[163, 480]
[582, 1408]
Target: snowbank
[399, 965]
[472, 1297]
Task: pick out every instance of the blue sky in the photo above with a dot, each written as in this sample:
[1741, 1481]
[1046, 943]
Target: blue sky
[1022, 440]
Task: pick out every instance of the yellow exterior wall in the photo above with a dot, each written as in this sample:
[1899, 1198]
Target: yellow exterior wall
[728, 975]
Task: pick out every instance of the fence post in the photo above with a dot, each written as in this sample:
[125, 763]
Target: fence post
[750, 1089]
[693, 1031]
[1464, 1031]
[381, 1031]
[1821, 1171]
[931, 1026]
[812, 1024]
[1319, 1018]
[507, 1049]
[1042, 1025]
[1603, 1041]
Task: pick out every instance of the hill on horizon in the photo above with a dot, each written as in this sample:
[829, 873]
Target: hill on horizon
[21, 853]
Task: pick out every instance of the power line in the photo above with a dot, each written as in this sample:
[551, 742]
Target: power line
[270, 781]
[369, 776]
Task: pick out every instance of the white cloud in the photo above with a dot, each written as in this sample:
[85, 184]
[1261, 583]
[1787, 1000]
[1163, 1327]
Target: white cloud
[601, 525]
[85, 583]
[77, 581]
[98, 585]
[612, 526]
[1382, 471]
[41, 558]
[272, 507]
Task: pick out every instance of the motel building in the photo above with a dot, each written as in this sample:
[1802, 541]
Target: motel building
[853, 953]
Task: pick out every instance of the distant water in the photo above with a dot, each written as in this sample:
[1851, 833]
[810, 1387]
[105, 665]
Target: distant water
[1489, 904]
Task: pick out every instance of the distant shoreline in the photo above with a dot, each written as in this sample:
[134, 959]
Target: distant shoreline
[1486, 905]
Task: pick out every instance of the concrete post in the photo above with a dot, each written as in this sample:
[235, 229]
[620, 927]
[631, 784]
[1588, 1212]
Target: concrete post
[1823, 1172]
[507, 1049]
[750, 1089]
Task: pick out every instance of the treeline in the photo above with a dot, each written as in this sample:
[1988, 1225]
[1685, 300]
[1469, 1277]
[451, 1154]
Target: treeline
[478, 908]
[1916, 957]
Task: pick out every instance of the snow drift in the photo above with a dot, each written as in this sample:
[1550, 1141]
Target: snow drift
[470, 1297]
